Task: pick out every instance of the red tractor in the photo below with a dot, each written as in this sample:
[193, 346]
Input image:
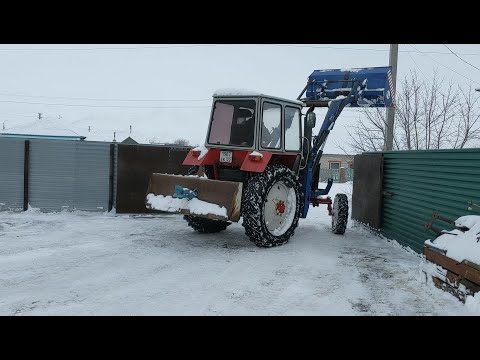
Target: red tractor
[260, 161]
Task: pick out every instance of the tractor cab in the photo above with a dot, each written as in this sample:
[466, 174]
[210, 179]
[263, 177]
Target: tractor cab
[254, 122]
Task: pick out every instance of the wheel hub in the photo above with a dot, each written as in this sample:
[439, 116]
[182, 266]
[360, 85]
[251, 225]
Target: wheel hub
[280, 207]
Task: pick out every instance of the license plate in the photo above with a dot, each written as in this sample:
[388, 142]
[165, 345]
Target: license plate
[226, 156]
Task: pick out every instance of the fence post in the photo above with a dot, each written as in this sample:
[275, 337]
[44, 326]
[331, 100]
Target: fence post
[26, 166]
[110, 177]
[342, 175]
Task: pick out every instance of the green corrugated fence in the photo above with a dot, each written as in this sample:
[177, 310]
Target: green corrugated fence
[417, 183]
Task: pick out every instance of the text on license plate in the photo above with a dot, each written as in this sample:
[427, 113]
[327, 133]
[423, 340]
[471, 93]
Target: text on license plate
[226, 156]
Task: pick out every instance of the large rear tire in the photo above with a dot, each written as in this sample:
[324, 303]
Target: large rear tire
[271, 206]
[340, 214]
[200, 224]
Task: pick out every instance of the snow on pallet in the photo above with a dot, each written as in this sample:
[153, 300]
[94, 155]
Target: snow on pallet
[457, 253]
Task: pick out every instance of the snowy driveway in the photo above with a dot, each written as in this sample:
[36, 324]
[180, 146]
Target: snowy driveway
[103, 264]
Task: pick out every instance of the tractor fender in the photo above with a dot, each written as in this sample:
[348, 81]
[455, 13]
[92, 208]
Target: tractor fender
[208, 159]
[256, 166]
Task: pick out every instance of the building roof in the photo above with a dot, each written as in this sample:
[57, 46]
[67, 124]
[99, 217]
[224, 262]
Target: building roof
[42, 136]
[233, 93]
[129, 140]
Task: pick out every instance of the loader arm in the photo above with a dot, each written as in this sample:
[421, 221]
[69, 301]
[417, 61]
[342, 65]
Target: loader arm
[336, 89]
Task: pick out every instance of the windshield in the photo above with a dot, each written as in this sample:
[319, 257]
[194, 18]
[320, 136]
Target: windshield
[233, 123]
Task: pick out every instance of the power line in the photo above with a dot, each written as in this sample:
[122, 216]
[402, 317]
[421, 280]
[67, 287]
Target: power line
[466, 62]
[100, 99]
[456, 72]
[426, 79]
[109, 48]
[418, 68]
[368, 49]
[222, 45]
[103, 106]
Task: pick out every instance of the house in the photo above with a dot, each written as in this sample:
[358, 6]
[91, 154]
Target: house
[336, 161]
[129, 141]
[339, 167]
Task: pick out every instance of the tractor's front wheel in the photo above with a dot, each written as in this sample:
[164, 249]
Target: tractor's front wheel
[340, 214]
[203, 225]
[271, 206]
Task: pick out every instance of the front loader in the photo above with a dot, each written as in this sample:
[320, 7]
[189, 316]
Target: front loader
[260, 161]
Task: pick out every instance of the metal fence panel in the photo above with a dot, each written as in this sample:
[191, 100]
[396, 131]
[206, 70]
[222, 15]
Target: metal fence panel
[417, 183]
[367, 189]
[52, 174]
[69, 175]
[326, 174]
[11, 173]
[136, 163]
[92, 172]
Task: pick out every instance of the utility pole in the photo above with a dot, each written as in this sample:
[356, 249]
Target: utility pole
[391, 110]
[4, 124]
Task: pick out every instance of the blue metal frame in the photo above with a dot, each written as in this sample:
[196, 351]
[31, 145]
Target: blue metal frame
[370, 87]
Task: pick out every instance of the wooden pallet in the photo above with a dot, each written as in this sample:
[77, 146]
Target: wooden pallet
[459, 278]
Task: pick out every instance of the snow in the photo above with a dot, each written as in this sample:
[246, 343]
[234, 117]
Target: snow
[338, 89]
[195, 206]
[80, 263]
[353, 70]
[469, 221]
[349, 70]
[256, 153]
[461, 245]
[47, 131]
[473, 303]
[203, 177]
[203, 151]
[428, 269]
[236, 92]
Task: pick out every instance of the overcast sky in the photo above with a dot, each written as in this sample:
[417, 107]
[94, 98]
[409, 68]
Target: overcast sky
[60, 74]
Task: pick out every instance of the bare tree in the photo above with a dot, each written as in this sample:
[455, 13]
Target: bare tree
[182, 142]
[154, 141]
[408, 112]
[446, 121]
[469, 124]
[428, 115]
[369, 134]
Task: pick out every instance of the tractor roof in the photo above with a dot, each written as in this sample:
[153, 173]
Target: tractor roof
[242, 93]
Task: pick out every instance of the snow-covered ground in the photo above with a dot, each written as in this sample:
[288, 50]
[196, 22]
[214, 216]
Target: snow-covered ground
[105, 264]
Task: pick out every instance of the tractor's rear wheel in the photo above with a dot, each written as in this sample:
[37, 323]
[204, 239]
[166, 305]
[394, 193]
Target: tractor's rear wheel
[200, 224]
[340, 214]
[271, 206]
